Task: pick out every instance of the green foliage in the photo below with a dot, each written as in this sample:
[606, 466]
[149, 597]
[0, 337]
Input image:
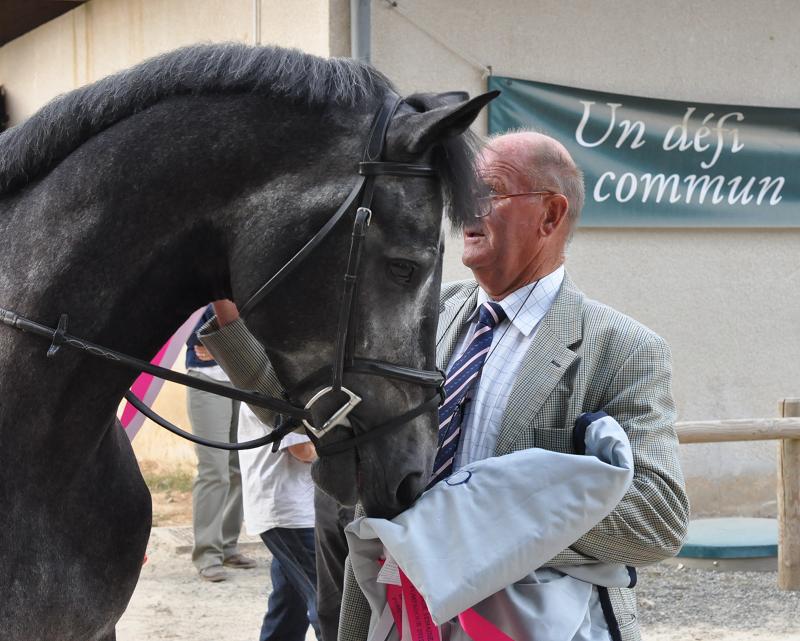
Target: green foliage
[169, 481]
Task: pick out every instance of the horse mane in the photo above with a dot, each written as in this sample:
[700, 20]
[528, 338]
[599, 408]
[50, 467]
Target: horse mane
[66, 122]
[69, 120]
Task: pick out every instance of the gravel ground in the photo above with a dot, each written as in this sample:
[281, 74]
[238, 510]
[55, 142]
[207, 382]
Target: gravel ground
[676, 604]
[680, 604]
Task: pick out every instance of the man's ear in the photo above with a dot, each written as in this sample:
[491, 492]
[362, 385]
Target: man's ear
[556, 215]
[415, 133]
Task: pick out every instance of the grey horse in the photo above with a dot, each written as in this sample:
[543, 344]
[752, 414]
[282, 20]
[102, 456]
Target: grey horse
[131, 202]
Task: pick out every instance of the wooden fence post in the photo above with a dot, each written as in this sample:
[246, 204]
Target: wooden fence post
[789, 502]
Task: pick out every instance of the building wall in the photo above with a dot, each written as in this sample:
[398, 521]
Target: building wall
[105, 36]
[725, 299]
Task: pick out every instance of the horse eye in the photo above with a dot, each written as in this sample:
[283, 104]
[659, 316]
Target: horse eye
[401, 271]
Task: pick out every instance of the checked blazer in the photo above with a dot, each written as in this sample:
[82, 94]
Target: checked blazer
[585, 357]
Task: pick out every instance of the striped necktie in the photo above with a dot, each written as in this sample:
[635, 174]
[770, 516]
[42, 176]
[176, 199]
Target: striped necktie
[460, 379]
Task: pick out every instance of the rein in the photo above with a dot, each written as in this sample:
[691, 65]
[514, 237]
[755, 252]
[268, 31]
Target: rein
[292, 416]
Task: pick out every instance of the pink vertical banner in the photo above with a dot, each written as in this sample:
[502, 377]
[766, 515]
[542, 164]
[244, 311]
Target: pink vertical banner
[147, 387]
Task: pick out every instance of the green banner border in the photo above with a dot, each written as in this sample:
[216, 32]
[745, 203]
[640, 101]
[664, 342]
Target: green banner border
[770, 139]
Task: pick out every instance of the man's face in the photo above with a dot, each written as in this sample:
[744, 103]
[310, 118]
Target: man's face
[504, 245]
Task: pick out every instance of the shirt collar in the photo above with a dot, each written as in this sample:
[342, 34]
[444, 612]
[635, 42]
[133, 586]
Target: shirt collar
[528, 305]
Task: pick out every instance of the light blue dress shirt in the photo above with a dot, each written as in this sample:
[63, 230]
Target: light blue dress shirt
[525, 308]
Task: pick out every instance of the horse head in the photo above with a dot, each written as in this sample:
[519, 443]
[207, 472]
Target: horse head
[424, 169]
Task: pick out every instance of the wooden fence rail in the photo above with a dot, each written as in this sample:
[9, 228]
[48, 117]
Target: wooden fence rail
[786, 429]
[744, 429]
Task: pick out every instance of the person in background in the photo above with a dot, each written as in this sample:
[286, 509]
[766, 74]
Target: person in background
[278, 497]
[217, 491]
[280, 502]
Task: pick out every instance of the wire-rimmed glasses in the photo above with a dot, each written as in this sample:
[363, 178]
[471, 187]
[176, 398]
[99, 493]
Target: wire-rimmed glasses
[486, 203]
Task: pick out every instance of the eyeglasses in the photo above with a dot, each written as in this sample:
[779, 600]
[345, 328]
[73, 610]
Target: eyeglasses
[486, 203]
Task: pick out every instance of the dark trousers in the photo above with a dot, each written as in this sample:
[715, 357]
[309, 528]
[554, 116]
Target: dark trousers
[331, 545]
[292, 604]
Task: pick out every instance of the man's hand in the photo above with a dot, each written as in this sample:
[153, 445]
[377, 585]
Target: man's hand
[305, 452]
[225, 311]
[202, 353]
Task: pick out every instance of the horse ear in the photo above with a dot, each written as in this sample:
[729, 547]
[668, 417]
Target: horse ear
[415, 133]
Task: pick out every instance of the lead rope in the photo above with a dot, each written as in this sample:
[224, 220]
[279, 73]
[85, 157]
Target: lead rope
[274, 437]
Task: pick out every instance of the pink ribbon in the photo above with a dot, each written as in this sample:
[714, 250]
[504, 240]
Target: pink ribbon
[480, 628]
[419, 619]
[406, 596]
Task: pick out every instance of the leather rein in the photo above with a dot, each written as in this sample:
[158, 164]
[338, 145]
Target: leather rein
[292, 416]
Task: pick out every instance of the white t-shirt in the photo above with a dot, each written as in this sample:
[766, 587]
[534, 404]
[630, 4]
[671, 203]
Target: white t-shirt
[212, 371]
[277, 490]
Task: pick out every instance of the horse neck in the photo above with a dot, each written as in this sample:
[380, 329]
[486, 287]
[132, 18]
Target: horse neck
[143, 238]
[125, 271]
[131, 303]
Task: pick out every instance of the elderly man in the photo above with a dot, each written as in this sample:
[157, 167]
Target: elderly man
[555, 354]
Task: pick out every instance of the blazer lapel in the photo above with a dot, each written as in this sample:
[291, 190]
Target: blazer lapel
[452, 318]
[545, 363]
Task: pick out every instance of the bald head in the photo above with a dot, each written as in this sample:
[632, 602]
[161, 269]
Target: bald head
[545, 164]
[528, 145]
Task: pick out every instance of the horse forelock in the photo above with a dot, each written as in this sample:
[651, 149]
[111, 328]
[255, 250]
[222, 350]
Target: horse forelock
[34, 146]
[454, 159]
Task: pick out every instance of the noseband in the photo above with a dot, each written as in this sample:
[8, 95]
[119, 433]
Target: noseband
[293, 415]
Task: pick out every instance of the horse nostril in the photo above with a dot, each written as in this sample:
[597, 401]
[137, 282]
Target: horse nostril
[409, 489]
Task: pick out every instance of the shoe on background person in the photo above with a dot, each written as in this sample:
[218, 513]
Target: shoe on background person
[213, 573]
[239, 561]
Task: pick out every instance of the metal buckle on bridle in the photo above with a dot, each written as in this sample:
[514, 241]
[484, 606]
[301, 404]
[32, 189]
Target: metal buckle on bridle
[338, 417]
[365, 211]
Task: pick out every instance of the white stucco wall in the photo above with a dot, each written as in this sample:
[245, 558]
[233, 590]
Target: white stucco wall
[104, 36]
[724, 299]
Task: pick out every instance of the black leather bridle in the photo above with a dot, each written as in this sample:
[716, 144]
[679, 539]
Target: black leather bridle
[293, 415]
